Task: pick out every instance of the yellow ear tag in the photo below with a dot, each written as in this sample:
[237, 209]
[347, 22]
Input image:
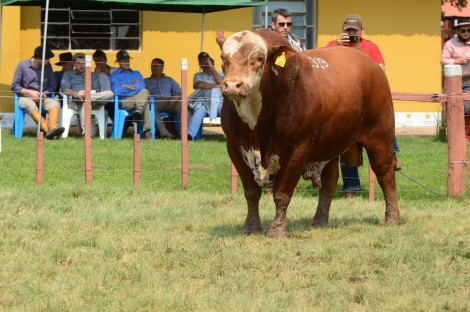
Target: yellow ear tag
[281, 60]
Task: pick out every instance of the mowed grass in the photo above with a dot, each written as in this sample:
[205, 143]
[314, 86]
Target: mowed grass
[109, 246]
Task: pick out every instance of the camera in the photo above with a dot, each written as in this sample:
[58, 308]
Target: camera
[352, 38]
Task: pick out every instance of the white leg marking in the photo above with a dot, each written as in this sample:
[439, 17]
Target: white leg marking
[262, 176]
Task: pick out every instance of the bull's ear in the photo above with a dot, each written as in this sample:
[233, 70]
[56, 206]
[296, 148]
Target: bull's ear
[220, 37]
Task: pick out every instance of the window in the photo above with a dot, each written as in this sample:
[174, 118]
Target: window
[72, 29]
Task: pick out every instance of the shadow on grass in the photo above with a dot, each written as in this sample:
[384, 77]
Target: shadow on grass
[295, 226]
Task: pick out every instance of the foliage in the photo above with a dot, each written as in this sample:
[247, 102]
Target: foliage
[456, 3]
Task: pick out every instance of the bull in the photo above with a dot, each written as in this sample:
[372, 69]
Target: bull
[289, 114]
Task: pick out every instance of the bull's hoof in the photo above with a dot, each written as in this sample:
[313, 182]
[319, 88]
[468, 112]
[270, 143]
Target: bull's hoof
[317, 222]
[390, 221]
[252, 230]
[277, 232]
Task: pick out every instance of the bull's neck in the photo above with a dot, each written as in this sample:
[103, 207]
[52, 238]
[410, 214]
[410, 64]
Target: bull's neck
[249, 109]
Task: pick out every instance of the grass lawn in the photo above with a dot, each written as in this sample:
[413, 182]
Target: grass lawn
[108, 246]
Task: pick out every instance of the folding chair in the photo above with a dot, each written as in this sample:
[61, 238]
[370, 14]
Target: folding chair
[67, 113]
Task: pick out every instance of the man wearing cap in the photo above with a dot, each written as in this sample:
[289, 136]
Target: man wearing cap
[66, 61]
[206, 100]
[73, 86]
[456, 51]
[351, 36]
[129, 86]
[26, 82]
[281, 21]
[167, 94]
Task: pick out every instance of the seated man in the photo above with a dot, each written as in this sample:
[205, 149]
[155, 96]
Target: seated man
[167, 94]
[206, 98]
[66, 62]
[73, 86]
[26, 83]
[129, 86]
[104, 71]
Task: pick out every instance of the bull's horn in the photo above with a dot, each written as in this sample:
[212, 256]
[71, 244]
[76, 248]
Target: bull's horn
[220, 37]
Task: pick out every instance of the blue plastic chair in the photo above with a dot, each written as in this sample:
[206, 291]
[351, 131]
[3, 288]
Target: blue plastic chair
[18, 123]
[120, 115]
[176, 124]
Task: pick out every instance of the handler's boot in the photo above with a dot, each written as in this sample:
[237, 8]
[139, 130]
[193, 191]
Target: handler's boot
[35, 116]
[54, 131]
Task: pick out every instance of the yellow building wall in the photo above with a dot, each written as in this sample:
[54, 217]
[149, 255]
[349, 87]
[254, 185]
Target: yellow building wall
[169, 36]
[407, 32]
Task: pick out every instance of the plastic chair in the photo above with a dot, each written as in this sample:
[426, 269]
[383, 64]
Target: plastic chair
[67, 113]
[18, 123]
[120, 115]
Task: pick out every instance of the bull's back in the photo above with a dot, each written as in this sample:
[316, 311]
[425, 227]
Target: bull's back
[350, 94]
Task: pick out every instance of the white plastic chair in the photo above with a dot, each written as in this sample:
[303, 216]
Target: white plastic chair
[67, 114]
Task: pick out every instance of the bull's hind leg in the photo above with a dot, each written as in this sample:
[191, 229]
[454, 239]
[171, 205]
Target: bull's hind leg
[383, 164]
[329, 180]
[251, 190]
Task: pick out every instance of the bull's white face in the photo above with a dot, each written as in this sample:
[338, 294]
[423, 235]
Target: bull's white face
[243, 56]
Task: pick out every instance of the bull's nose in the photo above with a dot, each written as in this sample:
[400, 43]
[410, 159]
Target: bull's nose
[234, 87]
[230, 86]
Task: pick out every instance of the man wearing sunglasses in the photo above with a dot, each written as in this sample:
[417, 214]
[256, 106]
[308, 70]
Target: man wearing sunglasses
[456, 51]
[282, 23]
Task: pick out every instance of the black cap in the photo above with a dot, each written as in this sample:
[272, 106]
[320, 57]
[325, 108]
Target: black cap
[203, 54]
[64, 58]
[38, 53]
[122, 55]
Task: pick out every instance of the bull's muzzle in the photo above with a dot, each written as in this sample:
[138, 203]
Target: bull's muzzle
[234, 88]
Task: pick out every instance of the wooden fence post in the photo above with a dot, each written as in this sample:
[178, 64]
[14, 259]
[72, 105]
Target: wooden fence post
[457, 147]
[184, 123]
[87, 103]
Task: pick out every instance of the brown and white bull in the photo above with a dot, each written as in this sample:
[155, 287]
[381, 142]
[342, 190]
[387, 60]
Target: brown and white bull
[288, 114]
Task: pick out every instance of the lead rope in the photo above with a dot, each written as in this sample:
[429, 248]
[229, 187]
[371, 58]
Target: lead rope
[419, 183]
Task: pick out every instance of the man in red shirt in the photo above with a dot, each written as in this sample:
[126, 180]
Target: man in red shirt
[352, 37]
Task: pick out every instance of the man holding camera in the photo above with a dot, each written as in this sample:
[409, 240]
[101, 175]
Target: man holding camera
[352, 37]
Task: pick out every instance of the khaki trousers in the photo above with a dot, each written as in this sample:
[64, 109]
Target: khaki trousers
[140, 102]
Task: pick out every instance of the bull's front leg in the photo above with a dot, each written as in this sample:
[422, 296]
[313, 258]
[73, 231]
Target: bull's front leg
[251, 190]
[253, 221]
[286, 181]
[329, 180]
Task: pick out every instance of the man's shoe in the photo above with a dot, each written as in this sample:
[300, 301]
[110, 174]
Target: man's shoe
[397, 163]
[148, 136]
[55, 133]
[190, 137]
[348, 195]
[137, 115]
[169, 136]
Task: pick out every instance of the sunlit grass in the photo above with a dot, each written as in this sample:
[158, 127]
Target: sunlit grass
[108, 246]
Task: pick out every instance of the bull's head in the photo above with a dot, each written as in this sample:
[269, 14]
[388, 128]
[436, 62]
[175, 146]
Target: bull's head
[243, 58]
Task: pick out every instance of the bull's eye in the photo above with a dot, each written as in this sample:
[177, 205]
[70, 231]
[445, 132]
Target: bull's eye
[260, 59]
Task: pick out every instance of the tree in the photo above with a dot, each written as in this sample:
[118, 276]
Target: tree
[457, 3]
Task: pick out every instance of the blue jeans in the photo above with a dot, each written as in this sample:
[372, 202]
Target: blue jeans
[350, 175]
[197, 117]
